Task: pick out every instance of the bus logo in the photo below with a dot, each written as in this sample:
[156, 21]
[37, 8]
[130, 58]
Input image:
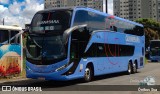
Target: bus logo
[132, 39]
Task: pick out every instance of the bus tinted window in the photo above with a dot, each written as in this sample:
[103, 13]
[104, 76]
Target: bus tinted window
[100, 22]
[123, 27]
[93, 20]
[81, 17]
[137, 30]
[51, 22]
[155, 44]
[109, 50]
[155, 48]
[4, 35]
[13, 33]
[96, 21]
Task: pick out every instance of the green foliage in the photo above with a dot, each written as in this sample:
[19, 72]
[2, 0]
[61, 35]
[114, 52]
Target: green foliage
[151, 28]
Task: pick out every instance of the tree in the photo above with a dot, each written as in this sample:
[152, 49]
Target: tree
[151, 29]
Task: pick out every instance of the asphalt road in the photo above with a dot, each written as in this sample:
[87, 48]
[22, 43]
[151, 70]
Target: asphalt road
[109, 81]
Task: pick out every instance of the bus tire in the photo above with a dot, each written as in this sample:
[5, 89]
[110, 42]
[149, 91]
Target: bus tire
[129, 70]
[134, 68]
[88, 76]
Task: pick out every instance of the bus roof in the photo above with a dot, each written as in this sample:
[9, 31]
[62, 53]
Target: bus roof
[5, 27]
[92, 10]
[59, 8]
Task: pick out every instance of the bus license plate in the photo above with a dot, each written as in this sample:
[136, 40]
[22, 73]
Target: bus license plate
[41, 78]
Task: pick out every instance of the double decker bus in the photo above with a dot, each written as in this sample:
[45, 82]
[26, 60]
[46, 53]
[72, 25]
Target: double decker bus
[154, 50]
[80, 42]
[11, 53]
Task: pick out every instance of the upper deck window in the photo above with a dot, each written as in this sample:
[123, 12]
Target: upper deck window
[51, 21]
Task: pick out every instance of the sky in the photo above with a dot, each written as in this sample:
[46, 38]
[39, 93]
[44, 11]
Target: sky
[20, 12]
[110, 7]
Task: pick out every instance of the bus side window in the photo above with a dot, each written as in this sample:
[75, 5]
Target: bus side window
[4, 36]
[80, 17]
[13, 38]
[96, 21]
[113, 28]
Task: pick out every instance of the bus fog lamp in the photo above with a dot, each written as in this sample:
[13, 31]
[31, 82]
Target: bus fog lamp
[61, 68]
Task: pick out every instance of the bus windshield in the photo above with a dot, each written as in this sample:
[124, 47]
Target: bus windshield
[155, 48]
[42, 47]
[44, 42]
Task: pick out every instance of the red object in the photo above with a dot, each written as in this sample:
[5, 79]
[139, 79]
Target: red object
[111, 17]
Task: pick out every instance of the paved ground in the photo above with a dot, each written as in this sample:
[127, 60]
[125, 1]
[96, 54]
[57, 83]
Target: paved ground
[101, 82]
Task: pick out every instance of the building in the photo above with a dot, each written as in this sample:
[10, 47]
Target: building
[158, 11]
[134, 9]
[96, 4]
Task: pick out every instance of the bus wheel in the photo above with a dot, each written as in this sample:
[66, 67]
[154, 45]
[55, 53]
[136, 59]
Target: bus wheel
[134, 68]
[88, 74]
[129, 69]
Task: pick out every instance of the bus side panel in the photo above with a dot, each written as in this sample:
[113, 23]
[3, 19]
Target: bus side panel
[139, 56]
[107, 65]
[102, 65]
[117, 60]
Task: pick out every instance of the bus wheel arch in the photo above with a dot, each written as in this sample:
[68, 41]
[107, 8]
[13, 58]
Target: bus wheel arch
[135, 66]
[89, 72]
[129, 69]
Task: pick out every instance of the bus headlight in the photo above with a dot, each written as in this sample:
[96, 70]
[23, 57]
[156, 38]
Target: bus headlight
[28, 68]
[61, 68]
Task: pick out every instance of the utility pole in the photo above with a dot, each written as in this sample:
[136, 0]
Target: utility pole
[3, 21]
[105, 7]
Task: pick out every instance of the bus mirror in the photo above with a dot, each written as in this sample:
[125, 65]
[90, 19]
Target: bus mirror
[26, 30]
[67, 32]
[148, 49]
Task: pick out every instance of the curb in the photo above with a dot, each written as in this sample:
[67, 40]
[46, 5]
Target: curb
[13, 80]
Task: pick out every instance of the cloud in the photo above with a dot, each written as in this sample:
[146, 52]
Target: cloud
[20, 13]
[110, 7]
[4, 1]
[15, 8]
[32, 8]
[2, 9]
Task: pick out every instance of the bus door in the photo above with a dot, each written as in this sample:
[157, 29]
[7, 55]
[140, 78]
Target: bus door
[79, 41]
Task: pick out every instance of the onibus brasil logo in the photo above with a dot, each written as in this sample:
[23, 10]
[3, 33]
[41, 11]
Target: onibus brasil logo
[149, 80]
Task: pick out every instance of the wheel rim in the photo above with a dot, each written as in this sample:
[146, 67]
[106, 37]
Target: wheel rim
[87, 74]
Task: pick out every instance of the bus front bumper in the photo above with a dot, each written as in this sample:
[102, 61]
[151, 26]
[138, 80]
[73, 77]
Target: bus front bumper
[155, 58]
[56, 75]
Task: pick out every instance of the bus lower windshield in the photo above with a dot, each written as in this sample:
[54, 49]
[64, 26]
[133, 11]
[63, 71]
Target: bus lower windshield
[155, 52]
[45, 48]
